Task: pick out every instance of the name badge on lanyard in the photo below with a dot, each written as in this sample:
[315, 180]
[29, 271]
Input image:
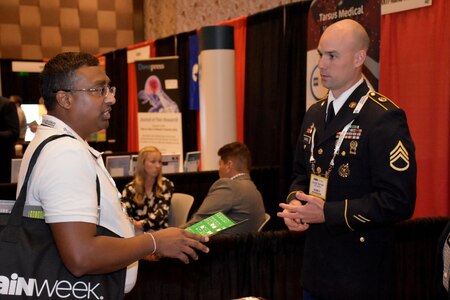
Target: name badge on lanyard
[318, 186]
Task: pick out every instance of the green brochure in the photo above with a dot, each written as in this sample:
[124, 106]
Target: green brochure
[212, 225]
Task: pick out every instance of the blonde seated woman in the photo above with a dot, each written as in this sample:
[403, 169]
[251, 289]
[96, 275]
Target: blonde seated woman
[147, 198]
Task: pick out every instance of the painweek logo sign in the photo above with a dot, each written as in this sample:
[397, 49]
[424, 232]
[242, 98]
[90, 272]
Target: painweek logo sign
[18, 286]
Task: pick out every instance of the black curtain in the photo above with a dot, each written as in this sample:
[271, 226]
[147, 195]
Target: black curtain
[117, 70]
[268, 264]
[166, 46]
[416, 250]
[264, 264]
[294, 76]
[24, 84]
[264, 94]
[275, 89]
[189, 117]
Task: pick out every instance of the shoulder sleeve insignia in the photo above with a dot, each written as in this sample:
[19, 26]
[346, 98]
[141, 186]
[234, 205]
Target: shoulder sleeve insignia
[399, 158]
[382, 100]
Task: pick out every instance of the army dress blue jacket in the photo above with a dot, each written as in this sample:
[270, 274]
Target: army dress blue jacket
[371, 187]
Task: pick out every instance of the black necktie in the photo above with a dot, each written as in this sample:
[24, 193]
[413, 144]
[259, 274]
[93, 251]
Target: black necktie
[330, 114]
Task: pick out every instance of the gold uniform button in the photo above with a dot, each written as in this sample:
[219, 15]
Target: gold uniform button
[343, 153]
[362, 239]
[320, 151]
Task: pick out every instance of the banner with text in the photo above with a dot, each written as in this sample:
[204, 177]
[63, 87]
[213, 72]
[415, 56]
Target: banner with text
[323, 13]
[159, 117]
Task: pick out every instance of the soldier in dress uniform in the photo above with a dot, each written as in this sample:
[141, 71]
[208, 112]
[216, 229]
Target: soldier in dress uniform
[354, 177]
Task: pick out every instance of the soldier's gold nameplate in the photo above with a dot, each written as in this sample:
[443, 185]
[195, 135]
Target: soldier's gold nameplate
[318, 186]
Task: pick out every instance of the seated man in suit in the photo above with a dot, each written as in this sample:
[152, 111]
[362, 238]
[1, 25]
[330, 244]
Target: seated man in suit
[234, 193]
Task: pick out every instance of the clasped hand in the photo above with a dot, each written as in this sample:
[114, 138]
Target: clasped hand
[298, 216]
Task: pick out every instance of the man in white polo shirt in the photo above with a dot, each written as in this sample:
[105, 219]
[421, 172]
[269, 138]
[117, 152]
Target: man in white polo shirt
[78, 98]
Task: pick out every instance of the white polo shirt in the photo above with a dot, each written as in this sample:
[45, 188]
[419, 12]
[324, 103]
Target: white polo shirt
[63, 182]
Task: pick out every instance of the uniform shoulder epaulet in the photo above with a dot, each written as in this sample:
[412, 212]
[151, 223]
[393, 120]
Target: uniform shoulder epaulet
[382, 100]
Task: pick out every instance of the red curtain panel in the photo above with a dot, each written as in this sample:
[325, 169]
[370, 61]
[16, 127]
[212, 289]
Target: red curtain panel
[415, 74]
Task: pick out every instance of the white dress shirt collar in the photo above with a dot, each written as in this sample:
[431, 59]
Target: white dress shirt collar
[339, 101]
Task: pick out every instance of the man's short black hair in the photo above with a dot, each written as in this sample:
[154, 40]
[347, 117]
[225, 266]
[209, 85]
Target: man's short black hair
[238, 153]
[58, 74]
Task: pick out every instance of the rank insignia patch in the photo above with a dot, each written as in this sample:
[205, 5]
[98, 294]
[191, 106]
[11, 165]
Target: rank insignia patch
[399, 158]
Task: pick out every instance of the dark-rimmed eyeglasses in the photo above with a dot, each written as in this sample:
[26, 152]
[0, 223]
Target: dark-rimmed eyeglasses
[103, 91]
